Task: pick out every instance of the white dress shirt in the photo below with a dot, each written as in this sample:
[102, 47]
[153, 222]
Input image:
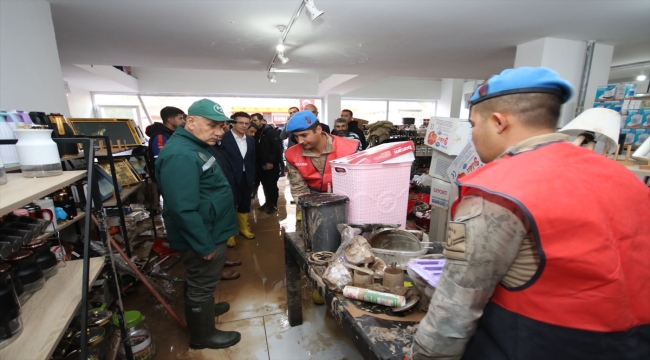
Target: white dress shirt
[242, 144]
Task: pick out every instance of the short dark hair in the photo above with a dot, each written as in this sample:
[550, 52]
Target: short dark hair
[537, 110]
[253, 125]
[257, 115]
[350, 111]
[340, 120]
[240, 114]
[294, 107]
[169, 112]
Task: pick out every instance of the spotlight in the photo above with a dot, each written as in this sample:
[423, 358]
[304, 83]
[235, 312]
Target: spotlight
[282, 58]
[280, 47]
[313, 11]
[641, 77]
[271, 77]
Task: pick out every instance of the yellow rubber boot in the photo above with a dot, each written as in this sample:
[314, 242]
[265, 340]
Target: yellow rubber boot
[242, 219]
[316, 298]
[299, 215]
[231, 242]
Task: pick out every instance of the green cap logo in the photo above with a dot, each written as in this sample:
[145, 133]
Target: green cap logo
[208, 109]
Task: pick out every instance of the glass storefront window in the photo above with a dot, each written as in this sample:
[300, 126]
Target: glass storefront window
[414, 109]
[371, 110]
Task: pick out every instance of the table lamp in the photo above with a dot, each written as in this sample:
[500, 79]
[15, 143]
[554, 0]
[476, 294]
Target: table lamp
[595, 125]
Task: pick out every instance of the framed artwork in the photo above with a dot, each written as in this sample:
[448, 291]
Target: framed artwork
[115, 129]
[105, 180]
[124, 172]
[138, 164]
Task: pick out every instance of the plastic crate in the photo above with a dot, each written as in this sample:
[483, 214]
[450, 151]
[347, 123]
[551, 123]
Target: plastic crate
[428, 269]
[378, 192]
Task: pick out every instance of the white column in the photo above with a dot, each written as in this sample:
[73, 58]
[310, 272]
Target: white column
[30, 71]
[567, 58]
[451, 96]
[331, 109]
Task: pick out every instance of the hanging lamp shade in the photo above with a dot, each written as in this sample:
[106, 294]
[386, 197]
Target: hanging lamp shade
[595, 125]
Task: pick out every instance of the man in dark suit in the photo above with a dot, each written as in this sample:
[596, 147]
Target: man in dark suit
[240, 150]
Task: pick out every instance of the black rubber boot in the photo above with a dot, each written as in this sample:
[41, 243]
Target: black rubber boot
[203, 334]
[221, 308]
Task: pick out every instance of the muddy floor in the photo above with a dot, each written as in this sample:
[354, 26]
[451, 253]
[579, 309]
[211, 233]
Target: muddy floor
[257, 302]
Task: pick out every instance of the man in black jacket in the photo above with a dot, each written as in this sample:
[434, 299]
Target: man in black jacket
[353, 127]
[268, 149]
[159, 133]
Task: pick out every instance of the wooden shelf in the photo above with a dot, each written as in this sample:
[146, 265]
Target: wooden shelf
[64, 158]
[635, 169]
[61, 226]
[49, 312]
[19, 190]
[125, 193]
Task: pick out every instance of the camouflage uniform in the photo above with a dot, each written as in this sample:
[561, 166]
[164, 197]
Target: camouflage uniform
[298, 184]
[489, 242]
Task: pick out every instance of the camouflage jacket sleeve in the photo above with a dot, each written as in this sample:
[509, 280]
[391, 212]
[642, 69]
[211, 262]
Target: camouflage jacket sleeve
[298, 184]
[482, 243]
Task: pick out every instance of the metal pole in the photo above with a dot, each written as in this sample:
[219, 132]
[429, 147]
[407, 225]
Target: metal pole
[586, 70]
[88, 146]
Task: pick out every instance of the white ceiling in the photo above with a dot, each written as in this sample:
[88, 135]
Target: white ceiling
[438, 39]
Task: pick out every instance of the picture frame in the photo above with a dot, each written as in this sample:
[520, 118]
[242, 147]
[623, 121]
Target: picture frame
[139, 165]
[105, 181]
[116, 129]
[125, 173]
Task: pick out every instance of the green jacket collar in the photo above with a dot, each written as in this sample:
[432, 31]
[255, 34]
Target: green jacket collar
[180, 131]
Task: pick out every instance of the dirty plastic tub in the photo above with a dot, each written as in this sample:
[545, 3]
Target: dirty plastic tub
[320, 215]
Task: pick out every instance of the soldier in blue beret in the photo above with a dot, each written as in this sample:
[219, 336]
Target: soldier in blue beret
[547, 247]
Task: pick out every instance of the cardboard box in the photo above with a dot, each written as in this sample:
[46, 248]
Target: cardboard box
[440, 162]
[440, 193]
[604, 92]
[629, 136]
[384, 153]
[640, 136]
[466, 163]
[625, 90]
[448, 135]
[635, 118]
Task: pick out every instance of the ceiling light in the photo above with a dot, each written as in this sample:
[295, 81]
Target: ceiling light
[313, 11]
[280, 47]
[282, 58]
[271, 77]
[641, 77]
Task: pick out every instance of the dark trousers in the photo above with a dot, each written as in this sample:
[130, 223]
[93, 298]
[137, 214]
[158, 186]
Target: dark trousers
[202, 276]
[244, 196]
[269, 179]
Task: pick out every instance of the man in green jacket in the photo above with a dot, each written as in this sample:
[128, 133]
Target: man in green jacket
[200, 217]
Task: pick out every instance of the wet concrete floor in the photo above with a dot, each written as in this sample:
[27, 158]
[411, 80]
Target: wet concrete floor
[257, 302]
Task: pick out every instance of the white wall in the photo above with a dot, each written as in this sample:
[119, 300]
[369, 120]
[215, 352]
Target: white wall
[188, 81]
[399, 88]
[30, 71]
[468, 88]
[80, 103]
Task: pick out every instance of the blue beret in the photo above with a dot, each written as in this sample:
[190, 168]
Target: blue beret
[521, 81]
[301, 121]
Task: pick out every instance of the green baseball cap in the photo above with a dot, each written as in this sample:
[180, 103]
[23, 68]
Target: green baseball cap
[209, 110]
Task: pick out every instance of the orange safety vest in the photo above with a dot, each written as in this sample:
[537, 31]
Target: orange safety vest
[591, 221]
[316, 181]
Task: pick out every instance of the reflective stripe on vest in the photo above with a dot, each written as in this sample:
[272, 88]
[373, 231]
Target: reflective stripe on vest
[315, 180]
[591, 221]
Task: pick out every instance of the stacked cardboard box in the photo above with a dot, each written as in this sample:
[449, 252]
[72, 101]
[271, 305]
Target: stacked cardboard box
[635, 113]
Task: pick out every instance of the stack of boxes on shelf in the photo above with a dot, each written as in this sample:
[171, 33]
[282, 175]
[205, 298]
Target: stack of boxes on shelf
[454, 156]
[635, 113]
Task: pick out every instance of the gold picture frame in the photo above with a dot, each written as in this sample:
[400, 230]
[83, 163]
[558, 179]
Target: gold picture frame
[124, 172]
[116, 129]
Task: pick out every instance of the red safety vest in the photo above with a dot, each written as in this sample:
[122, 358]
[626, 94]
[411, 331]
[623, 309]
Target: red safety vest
[316, 181]
[591, 221]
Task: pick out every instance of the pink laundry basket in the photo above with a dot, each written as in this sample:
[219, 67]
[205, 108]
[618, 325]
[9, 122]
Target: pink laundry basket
[378, 192]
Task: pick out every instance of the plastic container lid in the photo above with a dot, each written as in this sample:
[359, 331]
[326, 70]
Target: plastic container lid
[132, 319]
[324, 199]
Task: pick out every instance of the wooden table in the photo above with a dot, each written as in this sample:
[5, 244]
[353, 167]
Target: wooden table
[376, 332]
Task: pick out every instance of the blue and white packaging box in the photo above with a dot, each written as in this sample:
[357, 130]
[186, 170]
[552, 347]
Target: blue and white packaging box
[606, 92]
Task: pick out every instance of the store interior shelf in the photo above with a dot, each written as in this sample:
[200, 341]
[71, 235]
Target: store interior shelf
[19, 190]
[49, 312]
[64, 158]
[125, 193]
[63, 225]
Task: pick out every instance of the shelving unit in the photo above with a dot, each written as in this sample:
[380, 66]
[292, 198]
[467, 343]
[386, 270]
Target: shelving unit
[64, 158]
[19, 190]
[126, 192]
[61, 226]
[49, 312]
